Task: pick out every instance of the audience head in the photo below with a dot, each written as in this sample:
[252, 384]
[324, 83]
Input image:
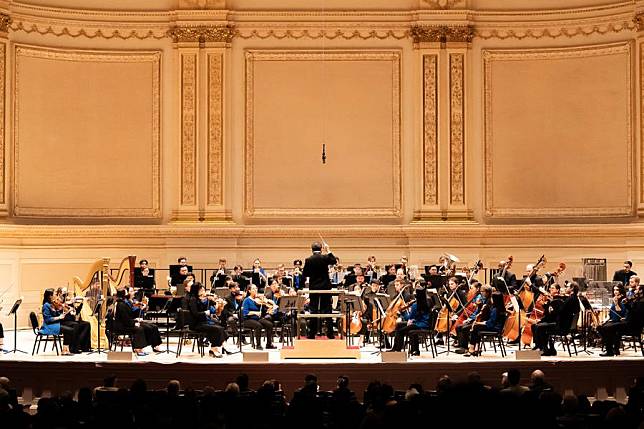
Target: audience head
[182, 260]
[628, 265]
[242, 381]
[343, 382]
[232, 388]
[173, 388]
[316, 246]
[514, 377]
[310, 379]
[537, 377]
[109, 381]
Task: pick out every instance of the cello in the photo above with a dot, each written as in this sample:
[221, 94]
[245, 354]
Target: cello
[469, 308]
[442, 320]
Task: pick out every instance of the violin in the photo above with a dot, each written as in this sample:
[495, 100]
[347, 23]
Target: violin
[218, 302]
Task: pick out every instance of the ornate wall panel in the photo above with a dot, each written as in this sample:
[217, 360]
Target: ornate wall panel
[298, 101]
[3, 169]
[215, 128]
[188, 128]
[430, 129]
[457, 128]
[558, 132]
[86, 136]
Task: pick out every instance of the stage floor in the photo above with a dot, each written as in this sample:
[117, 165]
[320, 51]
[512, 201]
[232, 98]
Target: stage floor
[583, 373]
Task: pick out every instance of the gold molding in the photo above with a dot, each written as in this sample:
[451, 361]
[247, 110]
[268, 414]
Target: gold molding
[215, 128]
[152, 57]
[3, 80]
[641, 73]
[457, 128]
[188, 128]
[202, 34]
[348, 33]
[491, 55]
[442, 33]
[442, 4]
[155, 236]
[430, 129]
[252, 56]
[532, 31]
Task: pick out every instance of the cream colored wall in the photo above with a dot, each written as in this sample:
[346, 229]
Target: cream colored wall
[523, 139]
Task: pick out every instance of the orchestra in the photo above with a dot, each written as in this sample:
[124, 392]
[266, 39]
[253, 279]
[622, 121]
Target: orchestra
[394, 301]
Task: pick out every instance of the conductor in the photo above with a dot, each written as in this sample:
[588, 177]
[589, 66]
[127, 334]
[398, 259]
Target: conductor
[316, 273]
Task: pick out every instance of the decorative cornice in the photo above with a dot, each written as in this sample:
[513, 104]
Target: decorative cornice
[442, 4]
[442, 33]
[329, 34]
[202, 33]
[5, 21]
[66, 235]
[639, 21]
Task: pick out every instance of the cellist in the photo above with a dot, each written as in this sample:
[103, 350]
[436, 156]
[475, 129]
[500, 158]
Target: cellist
[416, 318]
[463, 332]
[491, 318]
[453, 294]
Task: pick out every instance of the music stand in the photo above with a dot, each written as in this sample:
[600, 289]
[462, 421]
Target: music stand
[97, 313]
[300, 303]
[166, 310]
[447, 339]
[381, 301]
[350, 303]
[286, 304]
[14, 311]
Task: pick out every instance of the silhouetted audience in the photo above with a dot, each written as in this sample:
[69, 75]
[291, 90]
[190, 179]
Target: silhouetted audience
[452, 403]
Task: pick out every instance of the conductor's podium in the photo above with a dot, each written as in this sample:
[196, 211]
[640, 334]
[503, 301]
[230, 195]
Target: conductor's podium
[320, 349]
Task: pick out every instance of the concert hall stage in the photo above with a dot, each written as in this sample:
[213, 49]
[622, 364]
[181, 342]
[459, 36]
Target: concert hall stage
[47, 372]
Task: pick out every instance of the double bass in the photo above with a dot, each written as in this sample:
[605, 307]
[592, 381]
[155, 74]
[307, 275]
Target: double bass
[537, 311]
[517, 316]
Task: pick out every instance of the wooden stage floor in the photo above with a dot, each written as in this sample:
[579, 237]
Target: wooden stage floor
[47, 372]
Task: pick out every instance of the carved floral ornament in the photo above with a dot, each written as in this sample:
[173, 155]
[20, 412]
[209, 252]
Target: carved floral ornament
[442, 33]
[202, 34]
[5, 21]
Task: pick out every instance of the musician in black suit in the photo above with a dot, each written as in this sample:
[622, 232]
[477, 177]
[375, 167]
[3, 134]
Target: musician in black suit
[316, 273]
[144, 278]
[509, 279]
[567, 312]
[625, 274]
[127, 319]
[175, 271]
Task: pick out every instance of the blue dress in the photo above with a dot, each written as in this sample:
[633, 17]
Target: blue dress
[50, 325]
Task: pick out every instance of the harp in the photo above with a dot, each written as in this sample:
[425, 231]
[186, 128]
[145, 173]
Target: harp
[91, 288]
[99, 282]
[124, 276]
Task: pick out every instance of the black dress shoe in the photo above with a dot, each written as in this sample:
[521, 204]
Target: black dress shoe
[271, 346]
[439, 342]
[414, 353]
[259, 348]
[607, 354]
